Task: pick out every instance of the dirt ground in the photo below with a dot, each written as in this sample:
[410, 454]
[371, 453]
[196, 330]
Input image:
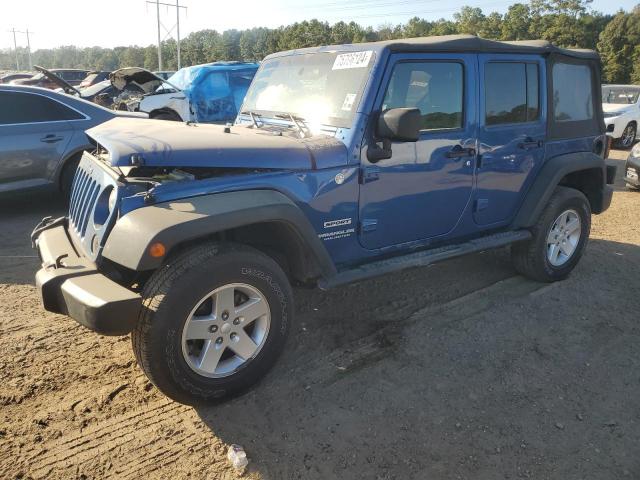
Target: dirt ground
[463, 370]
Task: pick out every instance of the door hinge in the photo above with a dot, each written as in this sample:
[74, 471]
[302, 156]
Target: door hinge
[368, 225]
[369, 174]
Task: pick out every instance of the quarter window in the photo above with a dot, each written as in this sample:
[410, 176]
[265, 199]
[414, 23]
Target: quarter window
[511, 93]
[436, 88]
[572, 93]
[28, 108]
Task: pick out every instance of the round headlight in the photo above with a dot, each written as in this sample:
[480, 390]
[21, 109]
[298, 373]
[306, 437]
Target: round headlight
[635, 151]
[104, 206]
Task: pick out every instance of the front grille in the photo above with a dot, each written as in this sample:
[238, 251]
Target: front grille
[83, 198]
[91, 179]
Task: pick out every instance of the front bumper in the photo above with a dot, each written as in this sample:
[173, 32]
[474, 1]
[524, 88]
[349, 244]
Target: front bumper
[71, 284]
[632, 171]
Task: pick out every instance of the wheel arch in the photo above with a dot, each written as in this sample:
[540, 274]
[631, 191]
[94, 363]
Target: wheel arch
[72, 155]
[583, 171]
[264, 219]
[164, 110]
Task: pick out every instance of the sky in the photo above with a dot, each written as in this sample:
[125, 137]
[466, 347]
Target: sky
[110, 23]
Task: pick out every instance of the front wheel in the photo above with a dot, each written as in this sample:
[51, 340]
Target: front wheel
[559, 238]
[214, 321]
[628, 137]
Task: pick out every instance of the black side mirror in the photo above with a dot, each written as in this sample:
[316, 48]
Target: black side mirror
[396, 124]
[399, 124]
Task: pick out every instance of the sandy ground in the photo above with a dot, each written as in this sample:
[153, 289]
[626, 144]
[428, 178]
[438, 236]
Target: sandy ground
[463, 370]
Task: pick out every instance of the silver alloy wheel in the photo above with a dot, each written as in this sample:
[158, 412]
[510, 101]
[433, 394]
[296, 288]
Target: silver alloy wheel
[628, 136]
[563, 238]
[227, 328]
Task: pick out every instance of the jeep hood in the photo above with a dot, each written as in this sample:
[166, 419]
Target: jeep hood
[162, 143]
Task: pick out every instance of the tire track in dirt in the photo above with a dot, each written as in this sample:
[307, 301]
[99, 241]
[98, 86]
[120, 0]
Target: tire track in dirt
[126, 433]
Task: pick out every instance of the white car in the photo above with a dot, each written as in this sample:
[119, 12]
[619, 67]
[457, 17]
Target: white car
[209, 93]
[621, 107]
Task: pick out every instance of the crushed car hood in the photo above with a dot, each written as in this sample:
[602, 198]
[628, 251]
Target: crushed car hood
[160, 143]
[142, 77]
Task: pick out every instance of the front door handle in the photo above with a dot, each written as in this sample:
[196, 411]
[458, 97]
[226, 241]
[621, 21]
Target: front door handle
[530, 143]
[51, 138]
[458, 152]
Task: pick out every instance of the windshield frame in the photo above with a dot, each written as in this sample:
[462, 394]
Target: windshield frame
[333, 122]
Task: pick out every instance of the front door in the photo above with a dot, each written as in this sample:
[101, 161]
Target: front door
[423, 189]
[511, 134]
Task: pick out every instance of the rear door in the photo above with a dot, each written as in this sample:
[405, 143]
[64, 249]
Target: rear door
[34, 133]
[423, 189]
[512, 133]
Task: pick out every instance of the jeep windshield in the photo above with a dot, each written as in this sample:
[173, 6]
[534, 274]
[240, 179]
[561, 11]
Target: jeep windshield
[319, 88]
[620, 95]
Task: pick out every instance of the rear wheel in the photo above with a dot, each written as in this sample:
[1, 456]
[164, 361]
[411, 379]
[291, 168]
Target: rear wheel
[214, 320]
[559, 238]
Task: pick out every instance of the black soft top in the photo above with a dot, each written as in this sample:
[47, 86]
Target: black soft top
[471, 43]
[452, 43]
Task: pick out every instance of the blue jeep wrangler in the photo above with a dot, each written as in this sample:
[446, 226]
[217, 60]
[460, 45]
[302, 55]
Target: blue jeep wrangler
[346, 162]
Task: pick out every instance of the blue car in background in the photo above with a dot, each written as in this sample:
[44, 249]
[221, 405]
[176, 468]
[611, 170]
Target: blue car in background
[42, 136]
[209, 93]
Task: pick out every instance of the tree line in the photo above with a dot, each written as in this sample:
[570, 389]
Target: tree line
[566, 23]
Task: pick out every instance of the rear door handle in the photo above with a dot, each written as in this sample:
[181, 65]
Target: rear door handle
[529, 143]
[51, 138]
[458, 152]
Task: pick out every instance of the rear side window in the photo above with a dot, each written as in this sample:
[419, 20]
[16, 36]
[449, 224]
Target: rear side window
[29, 108]
[572, 93]
[436, 88]
[511, 93]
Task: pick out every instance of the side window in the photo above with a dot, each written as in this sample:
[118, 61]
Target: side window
[436, 88]
[28, 108]
[572, 92]
[512, 101]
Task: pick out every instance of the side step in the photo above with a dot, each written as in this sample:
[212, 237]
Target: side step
[423, 258]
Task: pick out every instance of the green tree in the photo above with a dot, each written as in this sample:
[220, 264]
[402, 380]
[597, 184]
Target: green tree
[618, 47]
[470, 20]
[517, 22]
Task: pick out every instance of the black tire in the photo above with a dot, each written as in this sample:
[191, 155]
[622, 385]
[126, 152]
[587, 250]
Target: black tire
[66, 177]
[172, 116]
[530, 257]
[174, 291]
[628, 136]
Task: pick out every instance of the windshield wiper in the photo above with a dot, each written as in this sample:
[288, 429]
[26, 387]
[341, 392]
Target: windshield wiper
[253, 115]
[298, 122]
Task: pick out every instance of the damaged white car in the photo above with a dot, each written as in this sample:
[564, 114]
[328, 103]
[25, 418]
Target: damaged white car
[209, 93]
[133, 83]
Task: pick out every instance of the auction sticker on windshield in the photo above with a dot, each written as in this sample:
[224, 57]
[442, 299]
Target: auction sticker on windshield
[347, 105]
[352, 60]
